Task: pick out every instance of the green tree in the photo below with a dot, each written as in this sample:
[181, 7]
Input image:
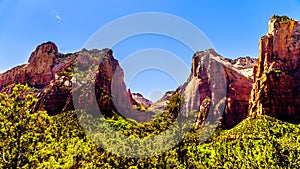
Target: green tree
[21, 130]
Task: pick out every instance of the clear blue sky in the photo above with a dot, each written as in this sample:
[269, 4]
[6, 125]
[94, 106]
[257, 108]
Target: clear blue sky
[233, 26]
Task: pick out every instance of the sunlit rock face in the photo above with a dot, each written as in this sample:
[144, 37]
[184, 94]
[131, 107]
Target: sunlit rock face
[219, 81]
[276, 88]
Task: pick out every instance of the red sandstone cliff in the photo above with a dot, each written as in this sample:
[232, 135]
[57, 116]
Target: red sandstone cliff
[276, 88]
[220, 81]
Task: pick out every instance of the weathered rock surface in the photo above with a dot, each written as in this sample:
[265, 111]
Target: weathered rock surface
[276, 88]
[242, 65]
[219, 80]
[38, 72]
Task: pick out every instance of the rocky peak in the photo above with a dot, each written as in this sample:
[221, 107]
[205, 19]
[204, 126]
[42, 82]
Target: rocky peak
[45, 49]
[242, 65]
[38, 72]
[243, 62]
[277, 23]
[139, 100]
[277, 74]
[160, 105]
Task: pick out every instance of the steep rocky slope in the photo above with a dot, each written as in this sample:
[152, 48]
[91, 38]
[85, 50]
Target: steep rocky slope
[233, 78]
[219, 81]
[139, 99]
[242, 65]
[39, 70]
[276, 88]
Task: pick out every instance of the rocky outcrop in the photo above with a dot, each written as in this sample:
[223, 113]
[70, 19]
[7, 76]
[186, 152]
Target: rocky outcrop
[219, 80]
[242, 65]
[276, 88]
[37, 72]
[139, 99]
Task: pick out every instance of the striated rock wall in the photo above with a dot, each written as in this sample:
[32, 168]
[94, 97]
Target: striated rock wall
[216, 78]
[276, 88]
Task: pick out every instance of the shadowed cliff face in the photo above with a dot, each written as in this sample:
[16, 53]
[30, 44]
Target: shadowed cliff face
[276, 88]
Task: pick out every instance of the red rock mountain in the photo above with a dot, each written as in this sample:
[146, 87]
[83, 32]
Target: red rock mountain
[276, 88]
[51, 74]
[219, 81]
[218, 89]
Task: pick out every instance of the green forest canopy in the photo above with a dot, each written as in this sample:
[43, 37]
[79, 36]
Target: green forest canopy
[36, 140]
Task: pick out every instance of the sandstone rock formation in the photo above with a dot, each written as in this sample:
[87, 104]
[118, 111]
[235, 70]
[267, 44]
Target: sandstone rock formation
[276, 88]
[38, 72]
[52, 75]
[219, 80]
[217, 89]
[242, 65]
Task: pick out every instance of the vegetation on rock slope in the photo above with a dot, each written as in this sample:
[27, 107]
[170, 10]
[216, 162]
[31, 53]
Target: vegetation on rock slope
[36, 140]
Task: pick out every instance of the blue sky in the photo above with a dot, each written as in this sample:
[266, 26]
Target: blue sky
[234, 28]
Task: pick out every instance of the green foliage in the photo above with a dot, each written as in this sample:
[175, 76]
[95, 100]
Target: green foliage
[21, 131]
[254, 143]
[282, 18]
[36, 140]
[174, 103]
[140, 108]
[67, 73]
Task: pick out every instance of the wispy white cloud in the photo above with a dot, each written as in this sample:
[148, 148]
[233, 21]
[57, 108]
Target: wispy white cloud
[59, 19]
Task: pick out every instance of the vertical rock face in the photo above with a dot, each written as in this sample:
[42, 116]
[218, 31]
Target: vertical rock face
[219, 80]
[276, 88]
[41, 62]
[38, 72]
